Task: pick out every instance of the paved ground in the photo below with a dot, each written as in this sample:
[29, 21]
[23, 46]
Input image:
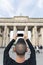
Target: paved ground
[39, 57]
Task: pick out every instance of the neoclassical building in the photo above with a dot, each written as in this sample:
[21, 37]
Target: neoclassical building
[35, 25]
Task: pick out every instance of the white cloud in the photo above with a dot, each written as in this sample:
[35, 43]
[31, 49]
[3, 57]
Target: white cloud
[10, 8]
[6, 6]
[23, 4]
[40, 3]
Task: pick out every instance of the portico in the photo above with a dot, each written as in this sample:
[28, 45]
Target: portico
[35, 25]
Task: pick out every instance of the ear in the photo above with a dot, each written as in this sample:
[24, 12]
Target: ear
[26, 49]
[14, 49]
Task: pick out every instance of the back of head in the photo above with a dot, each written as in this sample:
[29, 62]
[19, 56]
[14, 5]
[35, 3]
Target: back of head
[20, 46]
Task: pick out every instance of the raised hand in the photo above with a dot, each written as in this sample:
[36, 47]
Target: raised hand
[26, 33]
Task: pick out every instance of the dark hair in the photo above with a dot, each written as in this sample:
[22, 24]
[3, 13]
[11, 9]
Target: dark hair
[20, 46]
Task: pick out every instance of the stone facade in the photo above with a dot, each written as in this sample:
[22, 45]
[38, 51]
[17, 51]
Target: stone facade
[35, 25]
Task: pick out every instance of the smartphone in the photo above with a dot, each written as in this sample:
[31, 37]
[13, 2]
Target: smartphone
[20, 35]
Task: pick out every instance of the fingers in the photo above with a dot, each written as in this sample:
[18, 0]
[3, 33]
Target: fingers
[15, 33]
[26, 33]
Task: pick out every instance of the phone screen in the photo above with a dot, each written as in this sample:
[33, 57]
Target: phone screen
[20, 35]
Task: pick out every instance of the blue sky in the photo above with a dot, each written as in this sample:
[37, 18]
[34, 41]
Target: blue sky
[31, 8]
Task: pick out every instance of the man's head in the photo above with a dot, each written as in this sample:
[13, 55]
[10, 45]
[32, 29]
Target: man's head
[20, 47]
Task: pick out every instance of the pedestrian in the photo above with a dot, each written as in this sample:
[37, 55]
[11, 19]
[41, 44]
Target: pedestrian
[20, 49]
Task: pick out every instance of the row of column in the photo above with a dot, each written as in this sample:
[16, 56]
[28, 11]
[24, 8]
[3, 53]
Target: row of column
[6, 37]
[36, 37]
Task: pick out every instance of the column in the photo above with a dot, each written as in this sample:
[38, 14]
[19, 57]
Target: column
[7, 36]
[4, 36]
[0, 38]
[13, 32]
[41, 36]
[34, 36]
